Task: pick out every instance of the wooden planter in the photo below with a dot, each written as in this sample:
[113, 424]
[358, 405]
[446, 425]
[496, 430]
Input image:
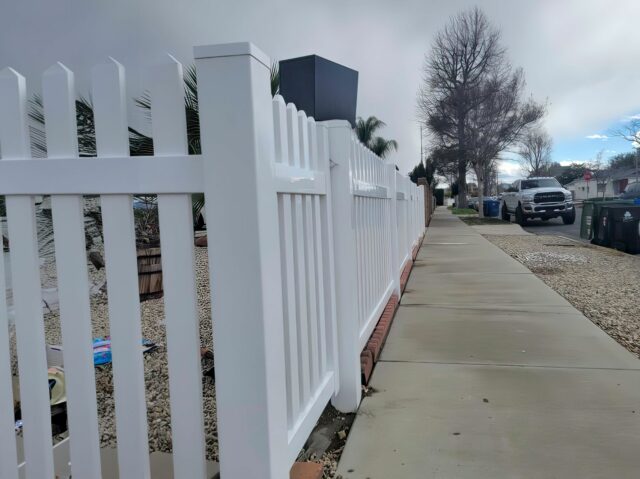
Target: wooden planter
[149, 273]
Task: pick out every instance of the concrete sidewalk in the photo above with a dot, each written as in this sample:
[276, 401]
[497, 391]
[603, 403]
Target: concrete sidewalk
[488, 374]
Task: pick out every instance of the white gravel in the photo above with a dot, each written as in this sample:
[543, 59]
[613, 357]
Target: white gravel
[603, 284]
[155, 363]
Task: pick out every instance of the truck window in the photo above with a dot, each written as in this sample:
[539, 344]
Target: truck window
[540, 183]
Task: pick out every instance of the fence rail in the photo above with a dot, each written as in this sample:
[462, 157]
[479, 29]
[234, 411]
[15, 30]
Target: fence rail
[310, 232]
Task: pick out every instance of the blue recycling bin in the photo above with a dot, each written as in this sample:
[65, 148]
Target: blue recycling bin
[491, 207]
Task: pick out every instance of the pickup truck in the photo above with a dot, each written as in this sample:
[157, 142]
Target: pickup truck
[541, 198]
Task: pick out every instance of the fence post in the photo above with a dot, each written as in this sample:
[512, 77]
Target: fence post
[393, 219]
[344, 244]
[426, 192]
[237, 136]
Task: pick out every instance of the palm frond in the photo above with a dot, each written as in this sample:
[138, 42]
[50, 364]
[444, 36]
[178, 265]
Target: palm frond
[139, 143]
[366, 129]
[144, 102]
[86, 127]
[197, 203]
[191, 108]
[36, 127]
[275, 78]
[382, 147]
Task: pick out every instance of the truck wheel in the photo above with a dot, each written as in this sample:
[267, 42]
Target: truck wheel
[505, 213]
[569, 218]
[521, 219]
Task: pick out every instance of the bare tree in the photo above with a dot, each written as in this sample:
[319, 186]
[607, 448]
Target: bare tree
[601, 172]
[535, 152]
[464, 54]
[445, 164]
[631, 132]
[471, 97]
[499, 121]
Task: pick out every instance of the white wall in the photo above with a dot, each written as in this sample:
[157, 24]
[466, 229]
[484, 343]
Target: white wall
[582, 190]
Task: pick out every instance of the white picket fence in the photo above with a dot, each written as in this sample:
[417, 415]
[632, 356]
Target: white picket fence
[309, 233]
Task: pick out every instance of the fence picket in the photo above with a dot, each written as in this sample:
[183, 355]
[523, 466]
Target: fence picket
[8, 454]
[280, 126]
[301, 297]
[287, 266]
[73, 284]
[310, 292]
[293, 136]
[169, 130]
[321, 317]
[289, 307]
[394, 265]
[23, 239]
[122, 278]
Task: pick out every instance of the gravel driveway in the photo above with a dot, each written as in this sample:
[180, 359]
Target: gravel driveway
[603, 284]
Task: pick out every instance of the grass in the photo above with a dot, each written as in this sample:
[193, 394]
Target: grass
[484, 221]
[464, 211]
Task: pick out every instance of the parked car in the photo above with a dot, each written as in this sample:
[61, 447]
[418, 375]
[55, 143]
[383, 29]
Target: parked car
[473, 202]
[541, 198]
[631, 192]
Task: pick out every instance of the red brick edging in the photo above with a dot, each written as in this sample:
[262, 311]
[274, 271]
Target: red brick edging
[369, 357]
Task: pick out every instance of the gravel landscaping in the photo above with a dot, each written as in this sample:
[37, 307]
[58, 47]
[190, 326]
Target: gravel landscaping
[603, 284]
[156, 369]
[155, 363]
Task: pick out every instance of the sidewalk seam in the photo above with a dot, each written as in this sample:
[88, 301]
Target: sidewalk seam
[533, 366]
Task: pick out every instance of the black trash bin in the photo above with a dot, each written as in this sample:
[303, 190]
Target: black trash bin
[624, 227]
[602, 228]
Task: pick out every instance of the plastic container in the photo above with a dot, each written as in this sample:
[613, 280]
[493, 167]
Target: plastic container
[591, 213]
[491, 208]
[624, 227]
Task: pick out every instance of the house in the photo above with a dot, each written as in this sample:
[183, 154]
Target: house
[615, 184]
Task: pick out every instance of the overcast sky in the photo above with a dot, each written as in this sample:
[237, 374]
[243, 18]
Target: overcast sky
[580, 56]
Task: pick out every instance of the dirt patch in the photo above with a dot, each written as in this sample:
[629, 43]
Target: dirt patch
[327, 441]
[545, 270]
[475, 221]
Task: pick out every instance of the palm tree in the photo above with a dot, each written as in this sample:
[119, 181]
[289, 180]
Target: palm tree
[139, 143]
[382, 147]
[366, 129]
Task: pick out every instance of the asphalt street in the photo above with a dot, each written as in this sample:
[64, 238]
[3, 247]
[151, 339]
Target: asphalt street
[555, 226]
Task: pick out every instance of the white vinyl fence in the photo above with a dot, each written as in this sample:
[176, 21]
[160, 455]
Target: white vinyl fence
[309, 233]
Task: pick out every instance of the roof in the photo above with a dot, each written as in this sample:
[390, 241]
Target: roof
[616, 174]
[622, 173]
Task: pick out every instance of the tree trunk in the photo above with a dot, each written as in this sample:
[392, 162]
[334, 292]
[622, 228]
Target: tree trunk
[462, 161]
[462, 184]
[480, 193]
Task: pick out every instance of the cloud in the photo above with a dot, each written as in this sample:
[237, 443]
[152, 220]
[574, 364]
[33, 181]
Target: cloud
[587, 83]
[596, 136]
